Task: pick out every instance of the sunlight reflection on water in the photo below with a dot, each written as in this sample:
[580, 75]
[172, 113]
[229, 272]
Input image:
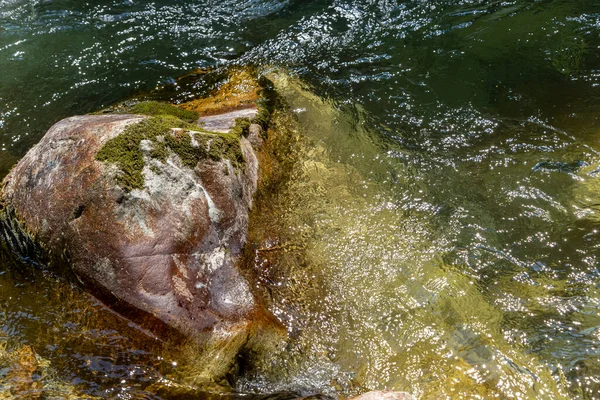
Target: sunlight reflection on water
[451, 196]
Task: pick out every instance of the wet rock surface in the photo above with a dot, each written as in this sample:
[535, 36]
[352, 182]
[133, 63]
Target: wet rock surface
[225, 122]
[383, 395]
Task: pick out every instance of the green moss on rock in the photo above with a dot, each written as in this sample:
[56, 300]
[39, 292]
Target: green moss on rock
[263, 116]
[166, 134]
[152, 108]
[213, 146]
[266, 104]
[242, 127]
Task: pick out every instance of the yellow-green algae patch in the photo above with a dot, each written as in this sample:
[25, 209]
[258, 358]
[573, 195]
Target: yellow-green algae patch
[242, 127]
[167, 134]
[157, 108]
[152, 108]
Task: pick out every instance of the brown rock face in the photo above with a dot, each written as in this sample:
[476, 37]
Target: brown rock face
[167, 249]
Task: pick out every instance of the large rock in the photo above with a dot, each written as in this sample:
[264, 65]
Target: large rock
[149, 221]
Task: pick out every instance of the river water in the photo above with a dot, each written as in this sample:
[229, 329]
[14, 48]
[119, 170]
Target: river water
[447, 205]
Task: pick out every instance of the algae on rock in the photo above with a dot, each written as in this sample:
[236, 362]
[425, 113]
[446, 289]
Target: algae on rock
[152, 108]
[171, 130]
[166, 134]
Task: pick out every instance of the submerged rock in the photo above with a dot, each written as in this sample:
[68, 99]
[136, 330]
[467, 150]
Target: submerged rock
[149, 212]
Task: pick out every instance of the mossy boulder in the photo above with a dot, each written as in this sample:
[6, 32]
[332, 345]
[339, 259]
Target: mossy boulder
[150, 213]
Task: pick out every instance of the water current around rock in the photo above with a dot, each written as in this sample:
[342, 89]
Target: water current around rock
[446, 207]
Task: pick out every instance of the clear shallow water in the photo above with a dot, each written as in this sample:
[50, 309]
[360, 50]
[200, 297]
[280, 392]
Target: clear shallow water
[457, 228]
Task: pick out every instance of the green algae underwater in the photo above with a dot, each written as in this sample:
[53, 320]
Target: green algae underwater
[366, 290]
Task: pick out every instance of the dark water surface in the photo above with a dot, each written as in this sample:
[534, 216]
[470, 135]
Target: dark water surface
[458, 255]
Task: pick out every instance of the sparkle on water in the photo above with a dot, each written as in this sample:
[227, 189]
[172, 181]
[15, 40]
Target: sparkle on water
[442, 228]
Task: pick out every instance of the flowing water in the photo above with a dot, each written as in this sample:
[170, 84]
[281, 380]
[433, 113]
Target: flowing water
[441, 235]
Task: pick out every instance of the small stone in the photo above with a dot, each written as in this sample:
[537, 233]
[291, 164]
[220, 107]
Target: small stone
[384, 395]
[255, 136]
